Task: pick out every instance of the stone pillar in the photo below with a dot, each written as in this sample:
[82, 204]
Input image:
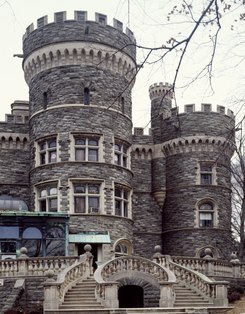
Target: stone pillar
[221, 293]
[51, 292]
[111, 295]
[167, 296]
[22, 262]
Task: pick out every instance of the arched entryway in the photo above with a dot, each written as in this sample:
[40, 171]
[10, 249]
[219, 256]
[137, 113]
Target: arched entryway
[131, 296]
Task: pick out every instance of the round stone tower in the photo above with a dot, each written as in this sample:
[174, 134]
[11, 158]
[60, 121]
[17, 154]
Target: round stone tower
[197, 147]
[80, 74]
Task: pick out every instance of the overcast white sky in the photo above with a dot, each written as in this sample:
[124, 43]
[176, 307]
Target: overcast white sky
[148, 20]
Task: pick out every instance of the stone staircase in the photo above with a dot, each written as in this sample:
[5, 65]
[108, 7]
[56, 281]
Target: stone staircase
[81, 296]
[186, 297]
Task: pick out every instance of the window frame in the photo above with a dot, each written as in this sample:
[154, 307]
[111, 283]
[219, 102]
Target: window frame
[87, 196]
[121, 155]
[87, 147]
[207, 176]
[206, 207]
[44, 201]
[45, 149]
[122, 204]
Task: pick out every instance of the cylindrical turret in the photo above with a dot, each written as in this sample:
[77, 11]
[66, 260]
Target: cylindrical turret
[80, 74]
[197, 212]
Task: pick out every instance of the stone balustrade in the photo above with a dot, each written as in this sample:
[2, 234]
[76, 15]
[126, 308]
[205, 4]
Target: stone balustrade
[212, 290]
[129, 266]
[55, 290]
[34, 266]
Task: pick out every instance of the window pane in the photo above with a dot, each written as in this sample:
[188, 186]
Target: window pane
[52, 156]
[53, 205]
[117, 147]
[117, 159]
[42, 146]
[118, 207]
[80, 154]
[42, 158]
[42, 204]
[51, 144]
[118, 192]
[80, 189]
[93, 189]
[93, 202]
[93, 142]
[52, 191]
[93, 155]
[125, 195]
[80, 141]
[124, 161]
[206, 179]
[206, 206]
[43, 193]
[125, 210]
[8, 247]
[79, 204]
[206, 216]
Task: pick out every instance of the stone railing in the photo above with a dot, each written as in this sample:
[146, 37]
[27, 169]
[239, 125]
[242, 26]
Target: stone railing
[129, 266]
[215, 291]
[213, 267]
[55, 290]
[25, 266]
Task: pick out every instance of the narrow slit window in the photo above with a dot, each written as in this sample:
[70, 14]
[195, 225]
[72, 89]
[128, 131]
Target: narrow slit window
[86, 96]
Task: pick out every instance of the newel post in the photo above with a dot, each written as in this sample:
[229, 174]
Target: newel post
[22, 262]
[111, 294]
[221, 293]
[51, 292]
[167, 295]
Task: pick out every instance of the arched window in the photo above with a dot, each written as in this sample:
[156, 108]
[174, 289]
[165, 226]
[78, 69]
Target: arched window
[32, 233]
[86, 96]
[206, 214]
[123, 247]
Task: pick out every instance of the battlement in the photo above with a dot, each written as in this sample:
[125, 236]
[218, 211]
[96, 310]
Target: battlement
[81, 17]
[204, 107]
[161, 90]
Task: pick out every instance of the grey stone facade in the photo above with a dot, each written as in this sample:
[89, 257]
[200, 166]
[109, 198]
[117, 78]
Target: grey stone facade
[80, 75]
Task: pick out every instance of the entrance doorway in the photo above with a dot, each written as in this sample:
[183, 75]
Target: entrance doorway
[131, 296]
[94, 251]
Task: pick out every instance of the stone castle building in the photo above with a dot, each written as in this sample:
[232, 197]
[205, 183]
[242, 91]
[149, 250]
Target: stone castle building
[72, 171]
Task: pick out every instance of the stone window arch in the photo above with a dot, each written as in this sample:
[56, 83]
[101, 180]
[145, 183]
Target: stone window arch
[206, 214]
[123, 247]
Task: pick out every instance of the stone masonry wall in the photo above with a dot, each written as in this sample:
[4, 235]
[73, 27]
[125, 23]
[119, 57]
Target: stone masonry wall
[65, 85]
[197, 123]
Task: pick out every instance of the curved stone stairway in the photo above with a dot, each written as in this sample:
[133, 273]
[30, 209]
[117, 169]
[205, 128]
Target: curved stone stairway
[187, 297]
[80, 299]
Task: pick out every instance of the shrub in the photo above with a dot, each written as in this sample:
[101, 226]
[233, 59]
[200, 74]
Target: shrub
[234, 296]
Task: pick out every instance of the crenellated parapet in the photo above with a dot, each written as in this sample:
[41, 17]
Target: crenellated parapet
[80, 17]
[199, 144]
[203, 107]
[66, 42]
[161, 90]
